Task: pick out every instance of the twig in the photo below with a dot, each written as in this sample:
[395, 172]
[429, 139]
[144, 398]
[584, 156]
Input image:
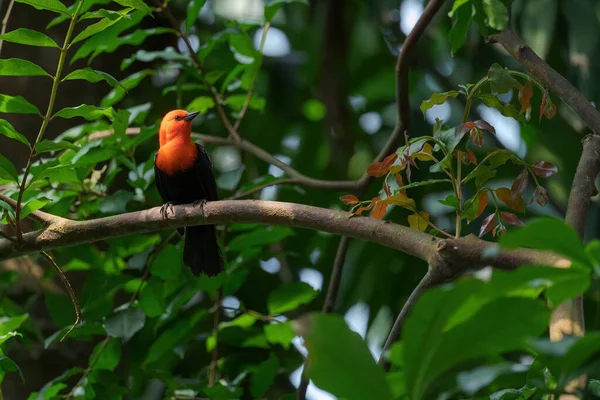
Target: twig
[164, 8]
[251, 89]
[70, 290]
[282, 181]
[47, 117]
[5, 21]
[430, 279]
[87, 371]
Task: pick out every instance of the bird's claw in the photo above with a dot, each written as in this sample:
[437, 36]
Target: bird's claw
[164, 210]
[200, 203]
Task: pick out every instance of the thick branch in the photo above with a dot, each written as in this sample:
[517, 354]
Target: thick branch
[68, 233]
[548, 77]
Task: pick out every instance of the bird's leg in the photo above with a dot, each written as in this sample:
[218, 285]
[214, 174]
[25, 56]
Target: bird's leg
[164, 210]
[200, 203]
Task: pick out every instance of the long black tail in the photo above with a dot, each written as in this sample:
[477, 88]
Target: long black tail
[201, 252]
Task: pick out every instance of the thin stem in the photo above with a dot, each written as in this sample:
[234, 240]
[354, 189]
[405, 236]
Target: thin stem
[70, 290]
[261, 48]
[47, 117]
[5, 21]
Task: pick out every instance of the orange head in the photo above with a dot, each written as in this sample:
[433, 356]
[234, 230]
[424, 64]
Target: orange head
[176, 124]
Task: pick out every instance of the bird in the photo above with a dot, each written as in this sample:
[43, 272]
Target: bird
[184, 174]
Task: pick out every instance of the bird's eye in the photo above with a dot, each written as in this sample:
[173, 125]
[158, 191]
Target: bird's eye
[177, 118]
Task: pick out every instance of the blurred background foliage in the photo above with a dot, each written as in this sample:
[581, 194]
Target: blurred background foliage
[324, 103]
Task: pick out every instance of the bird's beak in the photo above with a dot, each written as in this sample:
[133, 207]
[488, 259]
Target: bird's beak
[190, 116]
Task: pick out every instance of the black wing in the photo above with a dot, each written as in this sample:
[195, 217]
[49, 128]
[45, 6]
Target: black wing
[205, 175]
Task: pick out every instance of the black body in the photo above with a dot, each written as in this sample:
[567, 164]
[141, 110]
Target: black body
[201, 252]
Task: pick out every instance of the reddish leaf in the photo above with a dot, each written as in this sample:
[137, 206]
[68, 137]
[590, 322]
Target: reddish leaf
[487, 224]
[469, 125]
[477, 137]
[389, 160]
[379, 210]
[504, 195]
[541, 196]
[360, 210]
[349, 199]
[376, 169]
[544, 169]
[483, 198]
[525, 95]
[471, 157]
[519, 185]
[543, 104]
[547, 108]
[512, 219]
[386, 189]
[484, 126]
[550, 111]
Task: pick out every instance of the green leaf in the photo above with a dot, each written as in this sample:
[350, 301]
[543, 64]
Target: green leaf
[28, 37]
[10, 324]
[95, 28]
[128, 83]
[107, 355]
[463, 17]
[314, 110]
[439, 335]
[46, 146]
[508, 110]
[92, 76]
[152, 300]
[8, 170]
[19, 67]
[264, 377]
[175, 336]
[8, 365]
[8, 336]
[548, 234]
[259, 238]
[137, 4]
[102, 13]
[452, 140]
[497, 14]
[470, 382]
[51, 389]
[193, 11]
[33, 205]
[9, 131]
[90, 113]
[201, 104]
[566, 358]
[237, 101]
[289, 296]
[500, 80]
[242, 48]
[437, 99]
[168, 264]
[16, 105]
[125, 323]
[280, 333]
[60, 309]
[272, 6]
[340, 361]
[50, 5]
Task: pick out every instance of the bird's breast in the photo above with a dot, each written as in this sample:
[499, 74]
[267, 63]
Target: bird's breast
[176, 156]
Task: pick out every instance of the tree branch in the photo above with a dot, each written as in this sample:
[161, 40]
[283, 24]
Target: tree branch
[42, 217]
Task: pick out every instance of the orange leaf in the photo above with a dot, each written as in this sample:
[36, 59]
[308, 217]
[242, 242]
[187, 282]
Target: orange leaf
[483, 198]
[470, 125]
[519, 185]
[419, 221]
[349, 199]
[368, 207]
[400, 200]
[377, 170]
[386, 189]
[379, 210]
[525, 95]
[504, 195]
[471, 157]
[389, 160]
[487, 224]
